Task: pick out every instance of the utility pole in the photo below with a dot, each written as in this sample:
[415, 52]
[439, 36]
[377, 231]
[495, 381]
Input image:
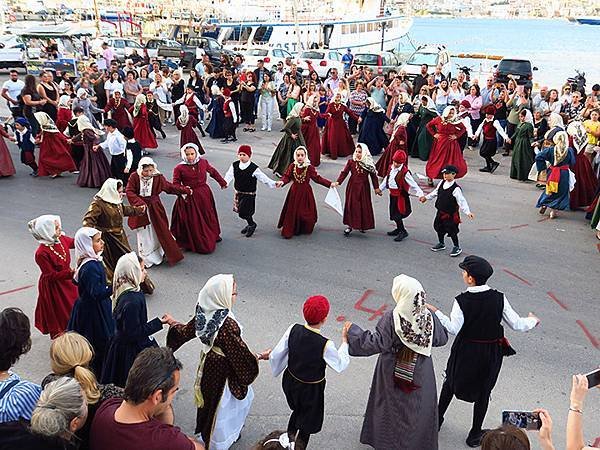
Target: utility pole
[97, 14]
[382, 14]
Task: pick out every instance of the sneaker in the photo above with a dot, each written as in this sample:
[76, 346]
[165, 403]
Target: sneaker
[484, 169]
[76, 172]
[251, 230]
[245, 229]
[395, 232]
[401, 236]
[456, 250]
[347, 231]
[263, 128]
[495, 165]
[34, 174]
[269, 130]
[438, 247]
[543, 210]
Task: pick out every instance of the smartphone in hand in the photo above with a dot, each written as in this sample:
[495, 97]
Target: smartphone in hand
[528, 420]
[593, 378]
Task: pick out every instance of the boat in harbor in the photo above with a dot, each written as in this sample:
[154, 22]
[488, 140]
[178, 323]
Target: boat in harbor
[587, 20]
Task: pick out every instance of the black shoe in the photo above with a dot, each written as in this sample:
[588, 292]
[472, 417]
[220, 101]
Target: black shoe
[225, 141]
[362, 231]
[474, 439]
[202, 132]
[219, 239]
[245, 229]
[456, 250]
[234, 140]
[485, 169]
[438, 247]
[495, 165]
[396, 232]
[162, 133]
[403, 235]
[347, 231]
[251, 230]
[506, 153]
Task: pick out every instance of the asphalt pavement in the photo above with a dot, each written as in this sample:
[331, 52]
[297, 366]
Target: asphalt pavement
[549, 267]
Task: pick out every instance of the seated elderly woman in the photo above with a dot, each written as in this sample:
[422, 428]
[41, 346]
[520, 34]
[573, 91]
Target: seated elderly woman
[60, 412]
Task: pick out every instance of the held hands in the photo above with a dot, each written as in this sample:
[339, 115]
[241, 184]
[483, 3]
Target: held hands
[431, 307]
[509, 140]
[452, 137]
[294, 136]
[264, 355]
[471, 216]
[423, 199]
[436, 136]
[378, 192]
[278, 184]
[334, 184]
[167, 319]
[535, 317]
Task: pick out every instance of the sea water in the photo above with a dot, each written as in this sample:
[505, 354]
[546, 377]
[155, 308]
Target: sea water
[555, 46]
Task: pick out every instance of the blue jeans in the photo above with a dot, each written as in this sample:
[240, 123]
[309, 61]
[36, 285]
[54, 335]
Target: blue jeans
[499, 138]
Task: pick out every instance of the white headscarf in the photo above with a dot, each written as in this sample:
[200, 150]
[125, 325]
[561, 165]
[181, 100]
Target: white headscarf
[43, 229]
[577, 131]
[83, 123]
[184, 115]
[84, 251]
[63, 101]
[147, 161]
[528, 116]
[109, 192]
[555, 120]
[126, 277]
[366, 160]
[446, 112]
[373, 105]
[46, 122]
[296, 110]
[413, 322]
[140, 100]
[215, 301]
[430, 105]
[306, 160]
[215, 90]
[81, 92]
[402, 120]
[182, 151]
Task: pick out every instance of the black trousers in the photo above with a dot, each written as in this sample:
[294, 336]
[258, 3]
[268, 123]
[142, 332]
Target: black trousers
[480, 407]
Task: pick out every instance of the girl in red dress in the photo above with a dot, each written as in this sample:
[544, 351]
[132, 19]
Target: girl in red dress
[446, 149]
[337, 140]
[153, 235]
[7, 168]
[55, 153]
[64, 113]
[94, 169]
[118, 107]
[358, 209]
[398, 141]
[194, 222]
[310, 129]
[141, 125]
[56, 291]
[186, 123]
[586, 182]
[299, 213]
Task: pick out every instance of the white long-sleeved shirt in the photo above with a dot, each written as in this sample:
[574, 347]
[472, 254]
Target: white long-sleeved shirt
[115, 143]
[454, 323]
[467, 123]
[258, 174]
[389, 182]
[234, 115]
[197, 101]
[457, 193]
[497, 126]
[129, 155]
[337, 359]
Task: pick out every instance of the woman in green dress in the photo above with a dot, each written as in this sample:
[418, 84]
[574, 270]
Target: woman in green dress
[293, 94]
[423, 142]
[523, 154]
[291, 140]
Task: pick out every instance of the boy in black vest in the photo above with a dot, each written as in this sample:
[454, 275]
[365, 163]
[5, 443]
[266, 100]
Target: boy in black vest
[133, 153]
[229, 117]
[304, 354]
[450, 201]
[476, 356]
[244, 174]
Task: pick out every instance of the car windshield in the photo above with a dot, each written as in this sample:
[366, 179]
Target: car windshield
[418, 59]
[364, 59]
[257, 52]
[511, 65]
[312, 55]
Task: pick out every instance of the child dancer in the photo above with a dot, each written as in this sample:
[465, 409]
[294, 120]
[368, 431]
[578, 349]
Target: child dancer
[77, 150]
[186, 123]
[141, 125]
[398, 141]
[7, 168]
[244, 173]
[337, 140]
[446, 131]
[310, 131]
[299, 213]
[94, 168]
[401, 184]
[303, 354]
[215, 125]
[116, 145]
[476, 356]
[154, 115]
[488, 149]
[229, 117]
[450, 200]
[26, 144]
[64, 113]
[55, 154]
[358, 209]
[133, 153]
[118, 107]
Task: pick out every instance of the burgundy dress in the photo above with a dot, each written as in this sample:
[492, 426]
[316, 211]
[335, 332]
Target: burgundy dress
[299, 213]
[56, 291]
[358, 209]
[141, 129]
[310, 131]
[194, 222]
[156, 212]
[7, 168]
[586, 183]
[62, 118]
[337, 140]
[445, 150]
[119, 112]
[188, 134]
[94, 169]
[55, 154]
[397, 143]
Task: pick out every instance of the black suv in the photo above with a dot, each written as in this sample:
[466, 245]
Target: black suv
[519, 69]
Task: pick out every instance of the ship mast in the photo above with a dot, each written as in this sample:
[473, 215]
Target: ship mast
[382, 14]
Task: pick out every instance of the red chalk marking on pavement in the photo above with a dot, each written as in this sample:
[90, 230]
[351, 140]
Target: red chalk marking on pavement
[544, 219]
[340, 318]
[489, 229]
[523, 280]
[589, 335]
[519, 226]
[17, 289]
[557, 301]
[374, 312]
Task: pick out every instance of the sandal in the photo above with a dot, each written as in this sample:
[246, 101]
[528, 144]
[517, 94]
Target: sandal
[245, 129]
[543, 210]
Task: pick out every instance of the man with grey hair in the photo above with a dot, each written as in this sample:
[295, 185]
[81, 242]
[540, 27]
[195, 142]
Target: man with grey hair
[143, 419]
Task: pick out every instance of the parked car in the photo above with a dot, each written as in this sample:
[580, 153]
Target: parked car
[152, 46]
[321, 61]
[270, 56]
[519, 69]
[123, 47]
[381, 62]
[12, 52]
[197, 45]
[174, 51]
[432, 55]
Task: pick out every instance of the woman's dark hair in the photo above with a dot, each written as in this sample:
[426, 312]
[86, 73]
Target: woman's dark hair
[134, 73]
[310, 75]
[112, 74]
[194, 71]
[477, 90]
[15, 336]
[30, 85]
[506, 437]
[143, 69]
[151, 371]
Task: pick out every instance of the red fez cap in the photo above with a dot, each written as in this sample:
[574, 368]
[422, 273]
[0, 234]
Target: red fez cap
[466, 104]
[399, 157]
[245, 149]
[490, 109]
[315, 309]
[227, 92]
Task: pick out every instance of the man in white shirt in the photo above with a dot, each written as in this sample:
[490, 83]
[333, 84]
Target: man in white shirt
[116, 144]
[476, 356]
[332, 83]
[11, 89]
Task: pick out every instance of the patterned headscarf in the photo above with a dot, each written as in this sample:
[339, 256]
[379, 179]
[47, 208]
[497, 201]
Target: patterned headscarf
[577, 132]
[366, 160]
[46, 122]
[561, 139]
[184, 115]
[373, 105]
[127, 276]
[296, 110]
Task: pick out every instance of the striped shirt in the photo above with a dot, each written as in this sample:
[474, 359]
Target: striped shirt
[20, 400]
